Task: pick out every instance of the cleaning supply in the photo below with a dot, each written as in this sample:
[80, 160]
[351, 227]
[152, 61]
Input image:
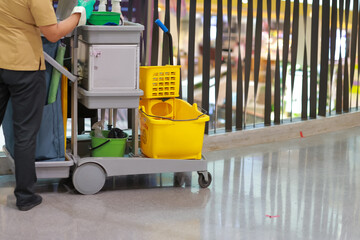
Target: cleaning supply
[104, 18]
[167, 124]
[116, 133]
[108, 146]
[116, 7]
[56, 75]
[85, 8]
[88, 5]
[98, 127]
[179, 137]
[102, 6]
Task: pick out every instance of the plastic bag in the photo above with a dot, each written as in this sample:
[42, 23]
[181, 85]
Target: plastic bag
[116, 133]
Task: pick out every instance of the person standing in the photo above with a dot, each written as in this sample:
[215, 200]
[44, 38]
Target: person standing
[22, 78]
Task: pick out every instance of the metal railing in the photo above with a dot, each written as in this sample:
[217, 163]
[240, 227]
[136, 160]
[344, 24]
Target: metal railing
[286, 61]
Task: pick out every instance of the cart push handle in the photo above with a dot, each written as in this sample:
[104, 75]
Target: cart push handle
[166, 30]
[59, 67]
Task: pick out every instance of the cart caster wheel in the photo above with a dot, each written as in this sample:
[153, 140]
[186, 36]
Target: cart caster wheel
[179, 179]
[202, 182]
[89, 178]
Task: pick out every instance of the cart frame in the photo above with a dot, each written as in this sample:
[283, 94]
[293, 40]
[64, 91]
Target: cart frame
[89, 173]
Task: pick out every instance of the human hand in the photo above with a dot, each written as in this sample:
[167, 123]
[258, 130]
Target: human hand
[88, 5]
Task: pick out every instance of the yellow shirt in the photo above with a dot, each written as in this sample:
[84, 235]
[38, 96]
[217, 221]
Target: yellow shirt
[20, 40]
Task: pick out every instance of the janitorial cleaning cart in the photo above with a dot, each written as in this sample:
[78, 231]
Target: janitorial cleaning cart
[105, 75]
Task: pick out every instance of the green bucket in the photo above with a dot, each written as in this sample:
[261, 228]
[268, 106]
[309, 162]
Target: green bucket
[107, 147]
[101, 18]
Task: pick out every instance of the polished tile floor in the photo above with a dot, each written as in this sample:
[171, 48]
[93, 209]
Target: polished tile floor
[307, 188]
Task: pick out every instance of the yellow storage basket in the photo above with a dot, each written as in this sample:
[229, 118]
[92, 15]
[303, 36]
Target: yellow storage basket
[160, 81]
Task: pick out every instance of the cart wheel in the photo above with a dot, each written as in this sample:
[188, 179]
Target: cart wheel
[179, 179]
[202, 182]
[89, 178]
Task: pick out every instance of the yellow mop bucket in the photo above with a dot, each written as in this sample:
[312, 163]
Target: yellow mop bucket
[180, 137]
[158, 107]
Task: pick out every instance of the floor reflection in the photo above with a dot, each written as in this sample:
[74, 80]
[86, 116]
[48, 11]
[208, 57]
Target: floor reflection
[312, 185]
[309, 186]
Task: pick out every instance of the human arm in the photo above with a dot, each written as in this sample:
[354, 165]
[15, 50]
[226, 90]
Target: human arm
[56, 31]
[80, 14]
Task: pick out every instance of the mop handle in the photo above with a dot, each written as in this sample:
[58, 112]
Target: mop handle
[161, 25]
[166, 30]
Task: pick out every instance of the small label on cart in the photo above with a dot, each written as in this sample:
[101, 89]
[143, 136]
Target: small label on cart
[95, 53]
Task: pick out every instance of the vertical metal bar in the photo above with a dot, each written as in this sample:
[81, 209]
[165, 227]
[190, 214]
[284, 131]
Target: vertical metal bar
[114, 117]
[81, 125]
[324, 62]
[129, 117]
[305, 6]
[228, 107]
[285, 51]
[191, 52]
[135, 131]
[144, 6]
[267, 110]
[74, 100]
[148, 29]
[346, 69]
[218, 54]
[353, 41]
[155, 37]
[258, 37]
[294, 48]
[277, 69]
[178, 62]
[166, 43]
[239, 86]
[248, 53]
[206, 59]
[332, 46]
[110, 120]
[314, 57]
[103, 114]
[346, 82]
[347, 53]
[144, 38]
[130, 10]
[339, 75]
[304, 98]
[358, 72]
[339, 87]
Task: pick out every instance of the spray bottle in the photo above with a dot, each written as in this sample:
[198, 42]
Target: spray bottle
[116, 7]
[102, 6]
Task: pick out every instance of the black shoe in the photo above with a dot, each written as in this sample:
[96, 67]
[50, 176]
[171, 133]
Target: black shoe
[36, 200]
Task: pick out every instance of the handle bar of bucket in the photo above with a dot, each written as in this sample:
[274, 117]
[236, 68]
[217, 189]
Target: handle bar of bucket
[203, 112]
[93, 148]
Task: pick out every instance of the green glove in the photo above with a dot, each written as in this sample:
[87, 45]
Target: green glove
[88, 5]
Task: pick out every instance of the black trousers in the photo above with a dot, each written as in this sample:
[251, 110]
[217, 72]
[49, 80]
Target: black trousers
[27, 90]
